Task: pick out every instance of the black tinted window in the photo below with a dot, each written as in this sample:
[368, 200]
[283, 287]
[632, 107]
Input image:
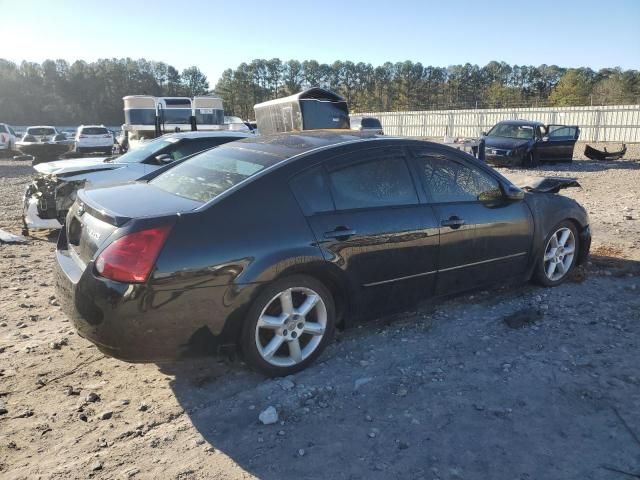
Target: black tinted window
[371, 123]
[2, 129]
[448, 179]
[372, 178]
[94, 131]
[189, 147]
[312, 191]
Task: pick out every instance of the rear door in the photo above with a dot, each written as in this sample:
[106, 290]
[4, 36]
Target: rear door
[371, 224]
[559, 143]
[483, 238]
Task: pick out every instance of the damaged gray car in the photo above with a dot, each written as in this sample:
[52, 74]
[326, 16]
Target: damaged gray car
[53, 190]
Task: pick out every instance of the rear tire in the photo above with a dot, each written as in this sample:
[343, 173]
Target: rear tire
[288, 326]
[559, 255]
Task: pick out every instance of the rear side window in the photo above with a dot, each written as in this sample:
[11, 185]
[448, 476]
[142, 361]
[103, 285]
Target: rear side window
[3, 129]
[448, 179]
[371, 178]
[312, 192]
[94, 131]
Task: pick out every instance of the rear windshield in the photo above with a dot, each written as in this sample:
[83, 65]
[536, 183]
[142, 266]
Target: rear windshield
[94, 131]
[371, 123]
[211, 173]
[40, 131]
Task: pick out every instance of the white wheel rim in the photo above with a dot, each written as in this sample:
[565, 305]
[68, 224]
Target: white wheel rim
[291, 326]
[558, 254]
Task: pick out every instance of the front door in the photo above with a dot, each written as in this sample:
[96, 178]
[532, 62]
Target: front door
[483, 237]
[558, 143]
[374, 228]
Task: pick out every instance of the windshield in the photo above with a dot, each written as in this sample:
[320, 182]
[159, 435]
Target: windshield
[40, 131]
[146, 150]
[211, 173]
[508, 130]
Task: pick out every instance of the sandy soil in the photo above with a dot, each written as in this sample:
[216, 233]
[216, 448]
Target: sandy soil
[515, 383]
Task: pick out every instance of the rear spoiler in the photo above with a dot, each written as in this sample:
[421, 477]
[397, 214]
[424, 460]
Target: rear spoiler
[546, 184]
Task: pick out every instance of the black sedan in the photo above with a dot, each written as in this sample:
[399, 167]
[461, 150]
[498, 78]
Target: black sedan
[525, 143]
[268, 243]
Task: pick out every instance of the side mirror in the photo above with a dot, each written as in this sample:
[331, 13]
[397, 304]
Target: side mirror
[513, 193]
[483, 134]
[164, 159]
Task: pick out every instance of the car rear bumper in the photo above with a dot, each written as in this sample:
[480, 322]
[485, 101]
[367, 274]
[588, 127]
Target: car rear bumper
[143, 323]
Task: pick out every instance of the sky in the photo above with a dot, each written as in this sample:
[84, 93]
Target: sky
[216, 35]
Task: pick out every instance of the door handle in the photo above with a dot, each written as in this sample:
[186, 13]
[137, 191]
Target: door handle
[340, 233]
[453, 222]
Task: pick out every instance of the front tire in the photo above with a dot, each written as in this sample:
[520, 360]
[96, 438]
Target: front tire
[288, 326]
[559, 255]
[531, 161]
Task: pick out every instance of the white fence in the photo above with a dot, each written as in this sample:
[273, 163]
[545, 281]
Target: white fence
[619, 123]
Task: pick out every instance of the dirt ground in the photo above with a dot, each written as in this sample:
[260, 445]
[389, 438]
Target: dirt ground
[517, 383]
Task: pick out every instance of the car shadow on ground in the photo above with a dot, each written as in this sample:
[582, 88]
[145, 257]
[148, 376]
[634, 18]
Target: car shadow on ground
[325, 427]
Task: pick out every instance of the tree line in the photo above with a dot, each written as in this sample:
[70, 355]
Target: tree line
[56, 92]
[59, 93]
[413, 86]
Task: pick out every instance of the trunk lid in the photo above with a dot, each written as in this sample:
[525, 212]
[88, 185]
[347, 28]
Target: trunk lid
[99, 212]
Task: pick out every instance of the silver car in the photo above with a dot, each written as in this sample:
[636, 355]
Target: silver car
[53, 190]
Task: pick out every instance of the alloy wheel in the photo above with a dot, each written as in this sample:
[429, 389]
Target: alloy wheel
[559, 253]
[291, 326]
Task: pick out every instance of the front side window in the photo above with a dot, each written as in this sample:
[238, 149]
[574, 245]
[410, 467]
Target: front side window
[448, 179]
[371, 178]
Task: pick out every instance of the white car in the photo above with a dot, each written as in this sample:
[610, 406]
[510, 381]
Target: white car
[94, 138]
[7, 139]
[53, 191]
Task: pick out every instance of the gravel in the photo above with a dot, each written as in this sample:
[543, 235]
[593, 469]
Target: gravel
[456, 391]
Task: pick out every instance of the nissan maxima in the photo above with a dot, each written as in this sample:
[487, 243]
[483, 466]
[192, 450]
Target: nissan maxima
[267, 244]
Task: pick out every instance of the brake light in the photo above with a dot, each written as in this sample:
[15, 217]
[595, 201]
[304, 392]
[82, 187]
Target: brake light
[130, 258]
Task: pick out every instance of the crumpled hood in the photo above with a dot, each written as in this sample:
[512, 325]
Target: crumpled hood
[504, 143]
[75, 166]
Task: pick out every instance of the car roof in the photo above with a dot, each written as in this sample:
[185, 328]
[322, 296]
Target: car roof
[41, 126]
[291, 144]
[210, 133]
[528, 123]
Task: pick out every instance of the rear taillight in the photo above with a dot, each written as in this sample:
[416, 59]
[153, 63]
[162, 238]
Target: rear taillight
[130, 258]
[82, 136]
